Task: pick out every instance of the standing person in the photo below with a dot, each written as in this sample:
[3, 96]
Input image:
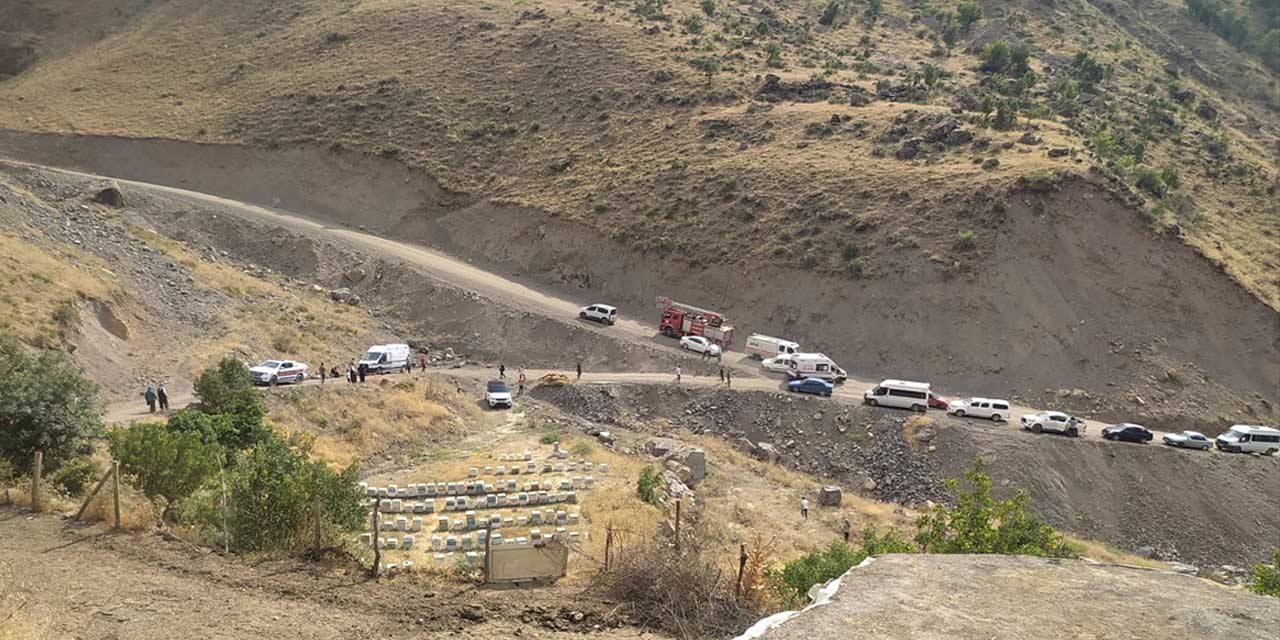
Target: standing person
[845, 528]
[163, 397]
[351, 371]
[364, 370]
[520, 372]
[502, 371]
[728, 378]
[520, 385]
[422, 360]
[804, 507]
[721, 375]
[324, 373]
[579, 369]
[704, 352]
[150, 396]
[679, 371]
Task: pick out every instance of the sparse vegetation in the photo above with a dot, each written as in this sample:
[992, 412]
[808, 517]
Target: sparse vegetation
[649, 485]
[550, 437]
[1266, 577]
[793, 581]
[966, 240]
[161, 463]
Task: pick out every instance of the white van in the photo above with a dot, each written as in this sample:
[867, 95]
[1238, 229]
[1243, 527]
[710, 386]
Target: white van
[1245, 438]
[902, 394]
[760, 346]
[384, 358]
[815, 365]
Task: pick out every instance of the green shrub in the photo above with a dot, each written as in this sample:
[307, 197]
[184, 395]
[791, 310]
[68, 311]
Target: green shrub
[773, 55]
[966, 240]
[582, 449]
[1150, 181]
[996, 57]
[550, 437]
[873, 11]
[1266, 578]
[73, 477]
[1087, 70]
[1170, 177]
[980, 524]
[230, 431]
[850, 251]
[708, 7]
[968, 13]
[45, 405]
[228, 388]
[271, 492]
[795, 579]
[831, 13]
[692, 24]
[649, 485]
[162, 463]
[651, 9]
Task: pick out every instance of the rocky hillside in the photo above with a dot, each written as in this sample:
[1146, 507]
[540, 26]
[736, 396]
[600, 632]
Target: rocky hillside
[850, 137]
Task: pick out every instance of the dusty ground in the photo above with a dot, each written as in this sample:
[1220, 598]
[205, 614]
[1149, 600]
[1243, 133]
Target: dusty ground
[972, 597]
[86, 582]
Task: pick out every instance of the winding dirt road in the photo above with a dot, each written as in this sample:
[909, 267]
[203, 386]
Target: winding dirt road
[748, 375]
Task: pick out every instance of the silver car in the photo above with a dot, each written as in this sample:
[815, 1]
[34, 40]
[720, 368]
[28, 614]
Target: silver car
[1188, 440]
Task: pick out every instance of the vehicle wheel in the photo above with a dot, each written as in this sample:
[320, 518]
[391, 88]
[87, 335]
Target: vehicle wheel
[872, 402]
[995, 417]
[960, 413]
[1271, 452]
[582, 314]
[1035, 428]
[669, 332]
[275, 380]
[1072, 433]
[828, 394]
[918, 408]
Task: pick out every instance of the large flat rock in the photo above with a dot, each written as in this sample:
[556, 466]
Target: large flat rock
[954, 597]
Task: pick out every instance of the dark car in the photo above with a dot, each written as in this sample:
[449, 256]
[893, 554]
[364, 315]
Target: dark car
[816, 386]
[1126, 432]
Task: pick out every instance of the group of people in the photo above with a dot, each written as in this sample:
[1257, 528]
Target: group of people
[520, 377]
[156, 396]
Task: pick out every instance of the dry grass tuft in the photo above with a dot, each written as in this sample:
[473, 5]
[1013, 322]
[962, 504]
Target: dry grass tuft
[1103, 552]
[39, 290]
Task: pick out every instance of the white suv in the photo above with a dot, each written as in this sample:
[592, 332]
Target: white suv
[980, 408]
[601, 313]
[1053, 422]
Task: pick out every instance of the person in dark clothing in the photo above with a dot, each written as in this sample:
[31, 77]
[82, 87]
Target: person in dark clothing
[364, 371]
[721, 375]
[728, 377]
[845, 529]
[150, 396]
[323, 373]
[579, 369]
[333, 373]
[422, 361]
[502, 371]
[163, 397]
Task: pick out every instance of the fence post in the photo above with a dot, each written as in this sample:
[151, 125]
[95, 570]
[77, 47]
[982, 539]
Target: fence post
[742, 565]
[35, 481]
[115, 489]
[226, 539]
[93, 494]
[488, 568]
[317, 510]
[678, 525]
[377, 548]
[608, 544]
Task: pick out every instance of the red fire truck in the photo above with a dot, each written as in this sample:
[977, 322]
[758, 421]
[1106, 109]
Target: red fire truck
[679, 319]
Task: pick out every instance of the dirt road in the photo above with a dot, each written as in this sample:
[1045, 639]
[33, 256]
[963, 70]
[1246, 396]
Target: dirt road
[461, 274]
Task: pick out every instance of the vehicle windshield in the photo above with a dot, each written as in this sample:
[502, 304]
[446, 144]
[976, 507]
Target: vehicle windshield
[497, 387]
[271, 364]
[372, 355]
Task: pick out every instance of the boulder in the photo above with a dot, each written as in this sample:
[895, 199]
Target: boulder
[681, 472]
[940, 130]
[1029, 138]
[959, 137]
[829, 496]
[909, 149]
[696, 461]
[765, 451]
[661, 447]
[1059, 152]
[345, 296]
[869, 484]
[110, 196]
[606, 437]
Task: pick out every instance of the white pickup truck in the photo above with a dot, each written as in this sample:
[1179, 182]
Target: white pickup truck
[1053, 422]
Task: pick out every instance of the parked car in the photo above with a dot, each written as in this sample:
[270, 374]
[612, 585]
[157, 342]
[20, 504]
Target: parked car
[902, 394]
[1053, 422]
[497, 394]
[601, 313]
[937, 402]
[384, 358]
[816, 386]
[1127, 432]
[777, 364]
[762, 346]
[699, 344]
[980, 408]
[1188, 440]
[1245, 438]
[279, 372]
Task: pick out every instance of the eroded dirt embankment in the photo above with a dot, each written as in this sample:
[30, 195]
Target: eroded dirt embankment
[1080, 306]
[1193, 506]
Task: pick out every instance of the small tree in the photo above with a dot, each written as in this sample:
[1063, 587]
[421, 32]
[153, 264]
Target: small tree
[230, 431]
[831, 13]
[980, 524]
[708, 7]
[45, 405]
[228, 388]
[1266, 578]
[162, 463]
[873, 10]
[969, 13]
[996, 57]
